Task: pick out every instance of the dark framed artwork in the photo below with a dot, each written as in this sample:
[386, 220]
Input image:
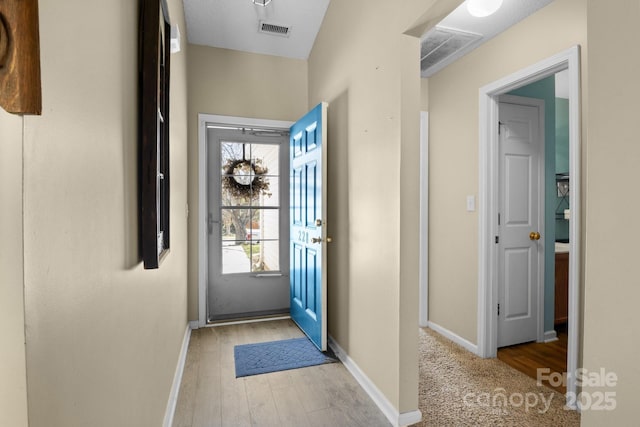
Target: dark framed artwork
[154, 67]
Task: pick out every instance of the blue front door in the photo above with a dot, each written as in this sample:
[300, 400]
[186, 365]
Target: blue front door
[308, 282]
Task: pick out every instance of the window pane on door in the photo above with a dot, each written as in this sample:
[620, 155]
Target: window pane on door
[234, 258]
[266, 156]
[236, 174]
[270, 249]
[270, 224]
[235, 224]
[270, 198]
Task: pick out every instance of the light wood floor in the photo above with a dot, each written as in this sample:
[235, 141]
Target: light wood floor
[528, 357]
[210, 395]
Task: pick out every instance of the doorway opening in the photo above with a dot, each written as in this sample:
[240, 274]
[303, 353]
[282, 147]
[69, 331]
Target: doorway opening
[548, 348]
[236, 221]
[488, 293]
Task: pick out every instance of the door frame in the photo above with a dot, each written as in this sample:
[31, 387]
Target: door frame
[488, 198]
[423, 314]
[203, 120]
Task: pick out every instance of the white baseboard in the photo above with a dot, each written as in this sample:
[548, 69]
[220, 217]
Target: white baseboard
[194, 324]
[409, 418]
[550, 336]
[473, 348]
[397, 419]
[177, 379]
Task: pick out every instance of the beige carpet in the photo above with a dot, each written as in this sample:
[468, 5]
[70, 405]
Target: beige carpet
[457, 388]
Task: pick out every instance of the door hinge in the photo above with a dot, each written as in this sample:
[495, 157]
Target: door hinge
[498, 219]
[497, 239]
[500, 127]
[498, 309]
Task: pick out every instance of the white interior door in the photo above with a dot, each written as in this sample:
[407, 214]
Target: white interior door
[521, 219]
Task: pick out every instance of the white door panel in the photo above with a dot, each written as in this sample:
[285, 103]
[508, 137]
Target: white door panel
[518, 178]
[517, 301]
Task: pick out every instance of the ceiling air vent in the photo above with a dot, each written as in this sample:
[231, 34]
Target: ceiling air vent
[441, 46]
[274, 29]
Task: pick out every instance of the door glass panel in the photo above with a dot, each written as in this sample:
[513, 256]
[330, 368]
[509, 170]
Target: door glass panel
[250, 207]
[236, 174]
[270, 252]
[234, 258]
[266, 155]
[235, 224]
[271, 197]
[270, 222]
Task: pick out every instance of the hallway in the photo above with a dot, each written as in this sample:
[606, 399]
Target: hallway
[452, 382]
[210, 395]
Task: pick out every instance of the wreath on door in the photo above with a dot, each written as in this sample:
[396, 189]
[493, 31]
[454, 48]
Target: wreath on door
[245, 179]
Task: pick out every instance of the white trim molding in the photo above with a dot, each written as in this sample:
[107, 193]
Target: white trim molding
[396, 418]
[466, 344]
[203, 120]
[424, 220]
[488, 179]
[177, 379]
[550, 336]
[409, 418]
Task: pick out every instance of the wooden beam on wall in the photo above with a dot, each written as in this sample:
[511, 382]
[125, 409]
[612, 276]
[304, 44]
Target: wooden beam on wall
[20, 87]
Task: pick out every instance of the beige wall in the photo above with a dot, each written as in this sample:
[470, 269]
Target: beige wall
[613, 153]
[453, 143]
[13, 386]
[368, 71]
[103, 335]
[231, 83]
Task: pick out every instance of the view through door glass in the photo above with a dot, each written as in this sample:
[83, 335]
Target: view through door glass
[250, 207]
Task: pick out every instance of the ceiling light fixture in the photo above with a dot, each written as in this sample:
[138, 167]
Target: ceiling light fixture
[482, 8]
[262, 3]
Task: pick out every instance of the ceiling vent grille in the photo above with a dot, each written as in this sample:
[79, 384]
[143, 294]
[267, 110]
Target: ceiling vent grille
[441, 46]
[274, 29]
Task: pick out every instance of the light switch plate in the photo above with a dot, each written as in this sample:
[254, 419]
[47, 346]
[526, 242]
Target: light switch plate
[471, 203]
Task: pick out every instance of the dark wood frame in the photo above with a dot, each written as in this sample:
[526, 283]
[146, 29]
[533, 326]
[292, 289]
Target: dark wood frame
[20, 88]
[154, 188]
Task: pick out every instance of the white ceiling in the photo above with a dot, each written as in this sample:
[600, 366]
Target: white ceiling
[234, 24]
[510, 13]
